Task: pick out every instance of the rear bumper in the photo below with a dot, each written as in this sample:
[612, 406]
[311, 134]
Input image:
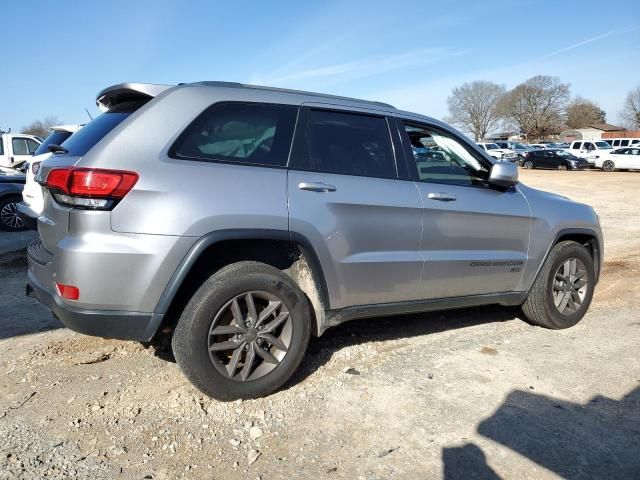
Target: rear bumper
[99, 323]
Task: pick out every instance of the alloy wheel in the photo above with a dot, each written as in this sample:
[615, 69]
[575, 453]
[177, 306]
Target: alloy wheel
[528, 164]
[10, 217]
[250, 335]
[570, 286]
[608, 166]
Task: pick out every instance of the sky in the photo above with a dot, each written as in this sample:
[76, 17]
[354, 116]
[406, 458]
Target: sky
[58, 55]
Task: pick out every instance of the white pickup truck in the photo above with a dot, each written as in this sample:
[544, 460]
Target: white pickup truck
[16, 148]
[589, 149]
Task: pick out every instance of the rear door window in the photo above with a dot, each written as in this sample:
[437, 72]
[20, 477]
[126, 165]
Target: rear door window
[349, 144]
[624, 143]
[576, 145]
[249, 133]
[94, 131]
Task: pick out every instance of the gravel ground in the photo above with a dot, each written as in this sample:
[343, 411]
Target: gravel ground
[474, 393]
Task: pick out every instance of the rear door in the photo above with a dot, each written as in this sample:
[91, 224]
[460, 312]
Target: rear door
[475, 238]
[351, 200]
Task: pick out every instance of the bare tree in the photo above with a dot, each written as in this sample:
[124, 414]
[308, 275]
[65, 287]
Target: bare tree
[536, 106]
[631, 109]
[41, 128]
[582, 113]
[474, 107]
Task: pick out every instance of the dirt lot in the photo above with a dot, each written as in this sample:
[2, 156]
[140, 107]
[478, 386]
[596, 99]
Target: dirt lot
[468, 394]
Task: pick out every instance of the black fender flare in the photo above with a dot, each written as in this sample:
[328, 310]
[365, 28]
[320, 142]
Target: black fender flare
[209, 239]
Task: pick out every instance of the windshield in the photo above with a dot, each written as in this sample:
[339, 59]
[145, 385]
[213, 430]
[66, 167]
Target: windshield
[492, 146]
[55, 138]
[94, 131]
[603, 145]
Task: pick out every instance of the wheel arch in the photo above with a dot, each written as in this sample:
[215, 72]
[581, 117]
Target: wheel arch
[287, 251]
[584, 236]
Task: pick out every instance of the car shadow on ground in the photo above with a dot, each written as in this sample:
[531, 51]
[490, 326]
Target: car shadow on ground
[378, 329]
[598, 440]
[19, 314]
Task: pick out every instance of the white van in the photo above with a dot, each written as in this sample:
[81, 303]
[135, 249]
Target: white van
[623, 142]
[589, 149]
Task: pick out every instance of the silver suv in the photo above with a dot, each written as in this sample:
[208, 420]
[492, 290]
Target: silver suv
[245, 219]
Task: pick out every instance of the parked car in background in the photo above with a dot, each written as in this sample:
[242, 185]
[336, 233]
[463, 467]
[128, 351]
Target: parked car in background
[590, 149]
[11, 185]
[32, 199]
[557, 159]
[16, 148]
[244, 219]
[620, 159]
[519, 148]
[622, 142]
[498, 153]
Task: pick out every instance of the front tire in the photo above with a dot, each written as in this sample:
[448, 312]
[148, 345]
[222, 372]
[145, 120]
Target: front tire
[528, 165]
[243, 333]
[562, 292]
[608, 166]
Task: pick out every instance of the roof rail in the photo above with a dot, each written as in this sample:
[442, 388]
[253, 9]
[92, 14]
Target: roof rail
[214, 83]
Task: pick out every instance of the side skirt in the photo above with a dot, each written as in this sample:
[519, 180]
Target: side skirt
[336, 317]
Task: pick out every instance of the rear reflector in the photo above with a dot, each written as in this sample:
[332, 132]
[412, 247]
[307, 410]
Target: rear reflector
[93, 188]
[68, 291]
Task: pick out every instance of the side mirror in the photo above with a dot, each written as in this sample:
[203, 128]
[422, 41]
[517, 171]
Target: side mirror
[503, 174]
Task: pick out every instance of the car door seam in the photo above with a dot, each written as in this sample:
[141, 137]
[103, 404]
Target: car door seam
[421, 230]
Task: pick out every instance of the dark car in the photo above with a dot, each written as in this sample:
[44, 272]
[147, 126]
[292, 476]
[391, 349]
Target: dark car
[11, 185]
[556, 159]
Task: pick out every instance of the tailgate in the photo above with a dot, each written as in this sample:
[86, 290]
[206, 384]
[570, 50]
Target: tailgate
[53, 223]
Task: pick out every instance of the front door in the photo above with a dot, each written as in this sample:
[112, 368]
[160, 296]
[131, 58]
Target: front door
[347, 200]
[475, 238]
[22, 148]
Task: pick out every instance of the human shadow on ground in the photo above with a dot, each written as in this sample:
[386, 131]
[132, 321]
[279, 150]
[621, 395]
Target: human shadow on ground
[598, 440]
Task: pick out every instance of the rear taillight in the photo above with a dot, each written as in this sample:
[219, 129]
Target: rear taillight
[92, 188]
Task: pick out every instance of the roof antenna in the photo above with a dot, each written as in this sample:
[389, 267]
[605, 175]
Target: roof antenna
[87, 110]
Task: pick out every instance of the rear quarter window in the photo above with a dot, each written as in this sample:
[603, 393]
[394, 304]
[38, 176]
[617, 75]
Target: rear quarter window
[248, 133]
[88, 136]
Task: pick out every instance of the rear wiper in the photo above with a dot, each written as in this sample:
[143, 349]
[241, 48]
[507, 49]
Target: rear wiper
[53, 148]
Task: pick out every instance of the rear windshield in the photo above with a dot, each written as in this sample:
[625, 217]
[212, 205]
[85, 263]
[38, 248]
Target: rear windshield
[55, 138]
[94, 131]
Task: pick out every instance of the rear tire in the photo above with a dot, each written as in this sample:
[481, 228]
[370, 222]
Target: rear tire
[546, 305]
[10, 218]
[608, 166]
[212, 349]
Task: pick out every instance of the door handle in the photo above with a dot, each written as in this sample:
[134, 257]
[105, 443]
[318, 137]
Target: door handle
[316, 187]
[441, 196]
